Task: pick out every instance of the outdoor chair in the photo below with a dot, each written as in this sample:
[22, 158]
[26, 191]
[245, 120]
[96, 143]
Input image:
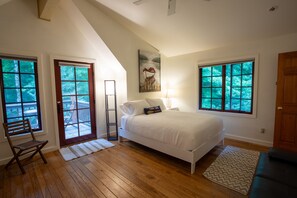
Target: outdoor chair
[20, 128]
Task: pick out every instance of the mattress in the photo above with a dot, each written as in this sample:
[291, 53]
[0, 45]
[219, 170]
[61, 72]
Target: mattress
[184, 130]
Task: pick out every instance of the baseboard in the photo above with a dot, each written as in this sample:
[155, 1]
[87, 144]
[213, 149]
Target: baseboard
[45, 150]
[250, 140]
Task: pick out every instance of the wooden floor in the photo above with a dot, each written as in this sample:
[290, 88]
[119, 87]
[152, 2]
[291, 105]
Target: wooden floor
[126, 170]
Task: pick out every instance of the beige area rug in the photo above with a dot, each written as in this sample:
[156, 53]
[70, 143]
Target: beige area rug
[86, 148]
[234, 168]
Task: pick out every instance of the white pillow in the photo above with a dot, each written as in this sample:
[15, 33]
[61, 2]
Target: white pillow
[156, 102]
[135, 107]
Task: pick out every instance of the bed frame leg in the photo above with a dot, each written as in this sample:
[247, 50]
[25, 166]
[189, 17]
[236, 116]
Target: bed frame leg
[193, 167]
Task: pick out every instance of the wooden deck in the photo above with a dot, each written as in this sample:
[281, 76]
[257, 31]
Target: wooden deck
[126, 170]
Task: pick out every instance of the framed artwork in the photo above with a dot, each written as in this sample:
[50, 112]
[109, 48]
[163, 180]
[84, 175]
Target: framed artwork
[149, 71]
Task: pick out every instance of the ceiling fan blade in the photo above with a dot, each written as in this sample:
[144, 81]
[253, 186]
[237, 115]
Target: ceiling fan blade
[171, 7]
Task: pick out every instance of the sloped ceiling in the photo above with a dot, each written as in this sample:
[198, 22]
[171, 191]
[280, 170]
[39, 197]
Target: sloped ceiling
[200, 25]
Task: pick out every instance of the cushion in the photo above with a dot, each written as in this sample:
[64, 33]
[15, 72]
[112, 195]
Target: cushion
[263, 187]
[135, 107]
[283, 155]
[156, 102]
[151, 110]
[276, 170]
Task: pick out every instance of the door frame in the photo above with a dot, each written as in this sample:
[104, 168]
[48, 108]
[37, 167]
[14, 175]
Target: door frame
[282, 108]
[61, 137]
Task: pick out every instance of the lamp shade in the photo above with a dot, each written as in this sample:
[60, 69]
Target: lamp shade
[109, 87]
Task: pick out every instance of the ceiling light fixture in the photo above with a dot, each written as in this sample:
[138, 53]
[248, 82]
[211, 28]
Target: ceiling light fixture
[273, 8]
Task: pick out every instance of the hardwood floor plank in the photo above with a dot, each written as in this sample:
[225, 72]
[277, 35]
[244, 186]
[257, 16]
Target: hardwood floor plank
[41, 181]
[131, 175]
[91, 187]
[125, 184]
[94, 179]
[110, 184]
[126, 170]
[50, 181]
[145, 173]
[122, 180]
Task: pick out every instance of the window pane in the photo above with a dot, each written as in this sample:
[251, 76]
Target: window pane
[206, 103]
[227, 104]
[12, 95]
[83, 101]
[29, 95]
[237, 88]
[27, 67]
[246, 105]
[235, 104]
[28, 80]
[236, 81]
[247, 68]
[236, 93]
[33, 121]
[9, 65]
[82, 73]
[71, 131]
[30, 109]
[206, 71]
[82, 87]
[68, 88]
[19, 88]
[217, 71]
[14, 119]
[206, 82]
[206, 93]
[11, 80]
[70, 117]
[67, 73]
[217, 81]
[84, 115]
[228, 70]
[69, 102]
[216, 104]
[247, 93]
[13, 110]
[216, 92]
[247, 80]
[85, 128]
[236, 69]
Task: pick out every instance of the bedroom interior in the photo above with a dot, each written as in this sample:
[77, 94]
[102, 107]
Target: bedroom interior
[192, 35]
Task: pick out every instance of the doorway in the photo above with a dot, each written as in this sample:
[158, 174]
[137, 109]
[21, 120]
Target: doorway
[285, 135]
[75, 101]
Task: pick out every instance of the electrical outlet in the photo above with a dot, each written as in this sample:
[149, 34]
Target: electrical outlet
[262, 130]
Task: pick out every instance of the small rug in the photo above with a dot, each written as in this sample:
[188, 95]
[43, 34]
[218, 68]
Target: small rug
[234, 168]
[86, 148]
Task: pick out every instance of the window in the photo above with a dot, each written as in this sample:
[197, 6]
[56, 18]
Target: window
[227, 87]
[19, 89]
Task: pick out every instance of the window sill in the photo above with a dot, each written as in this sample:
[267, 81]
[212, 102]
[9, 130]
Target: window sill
[20, 137]
[228, 114]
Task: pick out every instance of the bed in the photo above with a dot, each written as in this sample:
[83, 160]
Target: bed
[184, 135]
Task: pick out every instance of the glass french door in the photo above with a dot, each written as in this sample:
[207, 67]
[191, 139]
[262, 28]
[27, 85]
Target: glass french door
[75, 101]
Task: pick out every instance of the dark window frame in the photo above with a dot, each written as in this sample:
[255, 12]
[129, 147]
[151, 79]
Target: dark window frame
[224, 86]
[23, 116]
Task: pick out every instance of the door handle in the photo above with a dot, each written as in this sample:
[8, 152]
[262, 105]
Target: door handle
[279, 108]
[58, 106]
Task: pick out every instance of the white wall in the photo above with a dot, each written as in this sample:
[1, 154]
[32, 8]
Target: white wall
[22, 33]
[70, 36]
[123, 44]
[181, 73]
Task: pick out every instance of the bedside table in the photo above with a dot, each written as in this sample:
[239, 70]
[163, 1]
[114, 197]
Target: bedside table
[173, 109]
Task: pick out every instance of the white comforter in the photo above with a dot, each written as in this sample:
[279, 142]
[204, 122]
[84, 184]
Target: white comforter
[184, 130]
